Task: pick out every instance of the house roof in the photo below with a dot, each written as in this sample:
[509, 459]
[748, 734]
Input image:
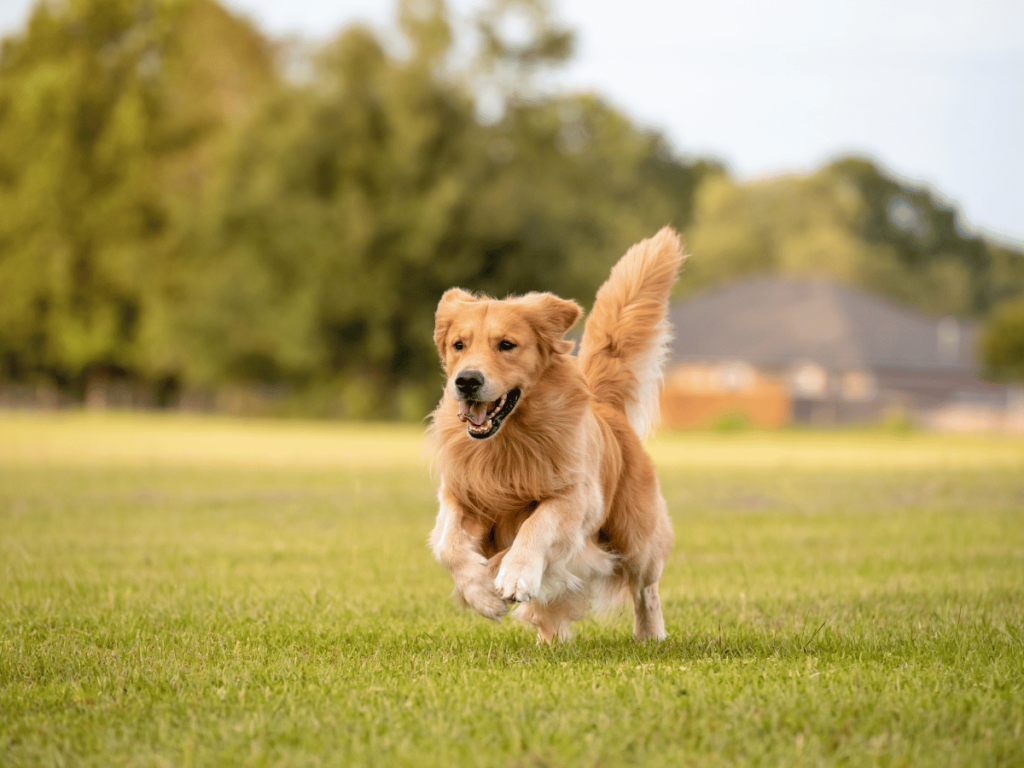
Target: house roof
[778, 322]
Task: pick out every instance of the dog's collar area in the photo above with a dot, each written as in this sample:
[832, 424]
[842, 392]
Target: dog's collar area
[483, 419]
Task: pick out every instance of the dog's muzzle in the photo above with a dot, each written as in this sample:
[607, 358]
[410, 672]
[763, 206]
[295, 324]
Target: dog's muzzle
[483, 418]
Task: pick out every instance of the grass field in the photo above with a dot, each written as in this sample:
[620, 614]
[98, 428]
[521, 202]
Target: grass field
[211, 592]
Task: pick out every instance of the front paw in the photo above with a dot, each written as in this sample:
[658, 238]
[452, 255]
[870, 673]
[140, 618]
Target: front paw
[481, 597]
[519, 578]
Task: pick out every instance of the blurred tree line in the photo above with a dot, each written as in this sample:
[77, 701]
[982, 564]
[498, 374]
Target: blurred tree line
[852, 221]
[185, 204]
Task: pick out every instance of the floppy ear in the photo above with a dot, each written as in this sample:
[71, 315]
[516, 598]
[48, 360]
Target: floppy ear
[552, 318]
[443, 316]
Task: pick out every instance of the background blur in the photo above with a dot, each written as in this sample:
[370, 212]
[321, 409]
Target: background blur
[257, 214]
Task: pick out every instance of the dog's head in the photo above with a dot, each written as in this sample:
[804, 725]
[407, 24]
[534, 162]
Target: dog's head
[494, 352]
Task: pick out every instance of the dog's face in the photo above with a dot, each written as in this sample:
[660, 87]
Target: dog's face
[494, 352]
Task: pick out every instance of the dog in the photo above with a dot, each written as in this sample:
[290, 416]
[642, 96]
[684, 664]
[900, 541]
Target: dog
[547, 497]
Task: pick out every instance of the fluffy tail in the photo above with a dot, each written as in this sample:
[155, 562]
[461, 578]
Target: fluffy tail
[626, 335]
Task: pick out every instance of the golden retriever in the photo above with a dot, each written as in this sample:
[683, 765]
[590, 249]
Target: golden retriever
[547, 497]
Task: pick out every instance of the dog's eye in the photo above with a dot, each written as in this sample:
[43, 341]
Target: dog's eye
[506, 345]
[457, 345]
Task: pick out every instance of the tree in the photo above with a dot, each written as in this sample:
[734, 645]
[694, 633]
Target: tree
[174, 209]
[1002, 342]
[349, 204]
[852, 222]
[101, 138]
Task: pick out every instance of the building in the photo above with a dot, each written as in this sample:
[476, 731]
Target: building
[776, 351]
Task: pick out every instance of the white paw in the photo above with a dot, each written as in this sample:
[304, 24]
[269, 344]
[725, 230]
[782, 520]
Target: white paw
[519, 578]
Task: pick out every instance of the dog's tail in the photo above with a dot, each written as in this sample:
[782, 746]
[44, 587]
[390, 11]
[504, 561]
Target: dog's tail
[626, 335]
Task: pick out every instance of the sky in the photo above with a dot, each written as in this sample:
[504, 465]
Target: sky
[932, 89]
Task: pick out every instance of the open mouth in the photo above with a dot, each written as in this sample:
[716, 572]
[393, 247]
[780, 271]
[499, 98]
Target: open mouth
[483, 419]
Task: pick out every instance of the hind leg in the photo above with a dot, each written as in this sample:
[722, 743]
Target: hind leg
[551, 621]
[648, 623]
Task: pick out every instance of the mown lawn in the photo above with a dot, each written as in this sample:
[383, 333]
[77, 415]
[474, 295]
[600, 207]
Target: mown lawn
[211, 592]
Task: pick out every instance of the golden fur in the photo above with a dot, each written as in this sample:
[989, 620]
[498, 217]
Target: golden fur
[559, 509]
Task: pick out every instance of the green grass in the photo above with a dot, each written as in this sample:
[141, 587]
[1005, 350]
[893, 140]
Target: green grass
[210, 592]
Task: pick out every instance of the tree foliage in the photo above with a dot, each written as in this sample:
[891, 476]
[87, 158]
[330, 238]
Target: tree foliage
[852, 221]
[180, 205]
[348, 205]
[1002, 342]
[101, 141]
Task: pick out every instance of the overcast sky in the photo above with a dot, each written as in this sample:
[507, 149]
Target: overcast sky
[933, 89]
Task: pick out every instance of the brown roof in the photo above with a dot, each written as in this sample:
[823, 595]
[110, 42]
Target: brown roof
[776, 322]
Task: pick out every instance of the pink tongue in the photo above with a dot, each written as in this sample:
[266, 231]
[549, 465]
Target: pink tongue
[475, 411]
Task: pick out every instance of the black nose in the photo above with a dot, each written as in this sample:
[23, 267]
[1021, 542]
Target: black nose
[469, 382]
